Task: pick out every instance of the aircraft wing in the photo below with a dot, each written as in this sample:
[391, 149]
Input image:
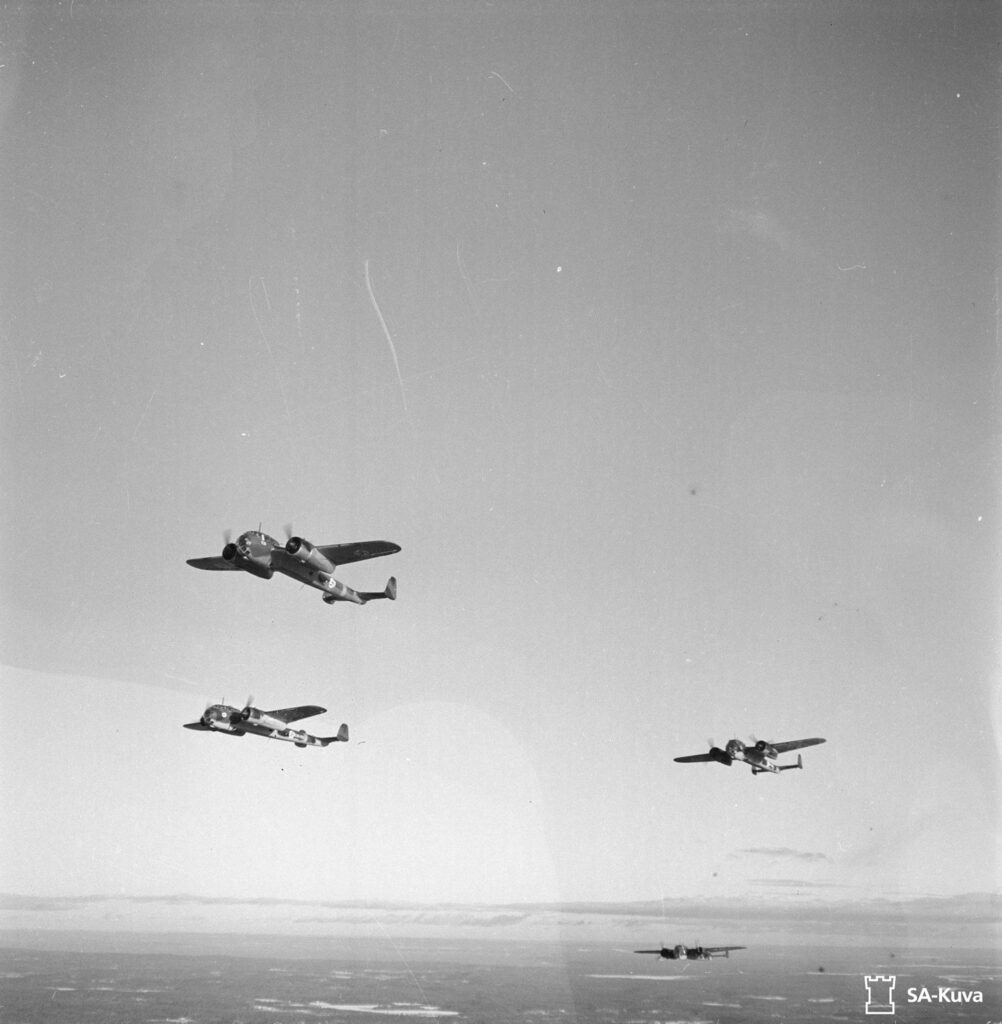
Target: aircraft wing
[689, 758]
[342, 554]
[782, 748]
[294, 714]
[197, 725]
[657, 951]
[721, 949]
[214, 562]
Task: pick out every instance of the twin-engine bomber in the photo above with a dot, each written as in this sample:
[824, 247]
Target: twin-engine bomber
[759, 755]
[273, 725]
[314, 565]
[691, 952]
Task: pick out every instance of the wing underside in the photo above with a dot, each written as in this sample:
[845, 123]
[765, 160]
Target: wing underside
[213, 562]
[782, 748]
[342, 554]
[294, 714]
[690, 758]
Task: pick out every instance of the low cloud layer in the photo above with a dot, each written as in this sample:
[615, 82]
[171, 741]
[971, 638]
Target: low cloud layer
[973, 908]
[783, 853]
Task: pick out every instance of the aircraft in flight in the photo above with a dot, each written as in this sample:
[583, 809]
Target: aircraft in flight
[273, 725]
[759, 755]
[691, 952]
[260, 555]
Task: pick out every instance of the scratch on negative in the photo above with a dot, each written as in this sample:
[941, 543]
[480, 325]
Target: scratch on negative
[142, 415]
[257, 319]
[466, 277]
[496, 75]
[389, 339]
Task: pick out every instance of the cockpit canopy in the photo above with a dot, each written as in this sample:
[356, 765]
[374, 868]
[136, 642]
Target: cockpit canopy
[254, 544]
[221, 713]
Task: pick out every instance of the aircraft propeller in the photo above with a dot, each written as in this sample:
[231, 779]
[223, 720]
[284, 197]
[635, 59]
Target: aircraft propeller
[245, 714]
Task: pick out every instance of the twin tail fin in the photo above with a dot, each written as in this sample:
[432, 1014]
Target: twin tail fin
[341, 737]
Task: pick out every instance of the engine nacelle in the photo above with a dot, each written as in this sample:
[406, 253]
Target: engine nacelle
[303, 551]
[764, 748]
[680, 952]
[258, 717]
[720, 755]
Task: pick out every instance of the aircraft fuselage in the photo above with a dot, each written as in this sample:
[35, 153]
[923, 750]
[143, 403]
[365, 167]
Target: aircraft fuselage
[682, 952]
[313, 566]
[263, 556]
[759, 756]
[231, 721]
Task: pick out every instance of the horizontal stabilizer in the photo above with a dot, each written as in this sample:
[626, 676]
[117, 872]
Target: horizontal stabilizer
[390, 592]
[787, 767]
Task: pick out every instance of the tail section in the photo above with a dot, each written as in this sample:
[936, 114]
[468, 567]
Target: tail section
[342, 736]
[390, 593]
[787, 767]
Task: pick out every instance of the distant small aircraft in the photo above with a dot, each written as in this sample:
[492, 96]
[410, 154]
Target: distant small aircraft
[273, 725]
[691, 952]
[263, 556]
[758, 755]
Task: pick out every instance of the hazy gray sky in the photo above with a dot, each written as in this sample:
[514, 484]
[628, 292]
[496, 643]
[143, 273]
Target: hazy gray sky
[685, 422]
